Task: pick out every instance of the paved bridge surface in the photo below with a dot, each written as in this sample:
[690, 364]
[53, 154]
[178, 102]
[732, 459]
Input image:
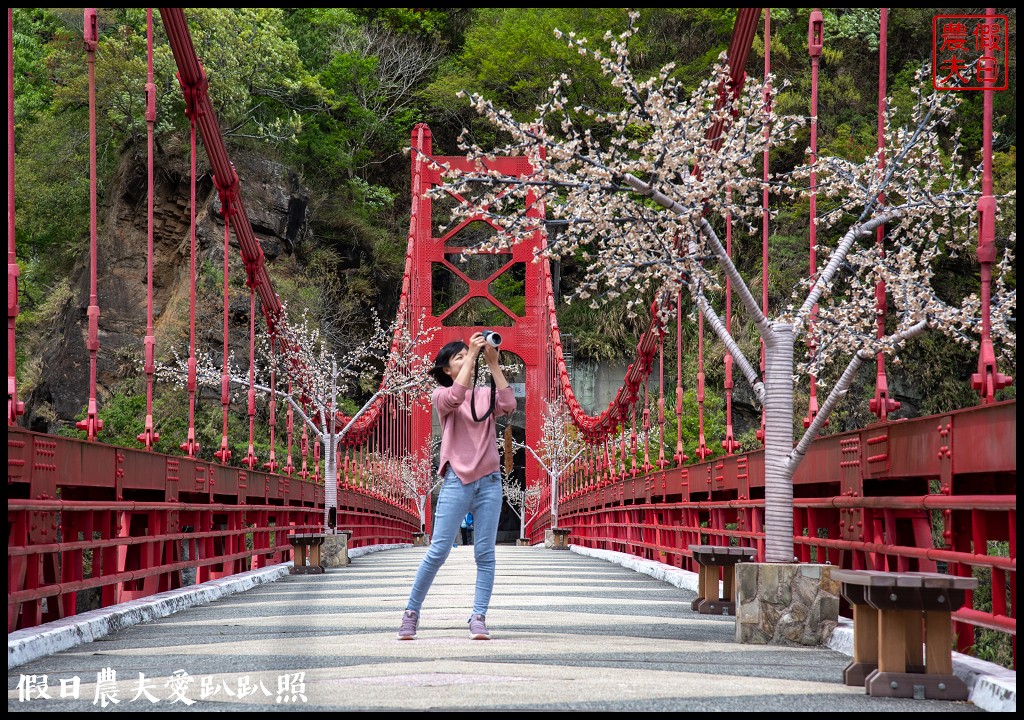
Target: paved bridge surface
[569, 632]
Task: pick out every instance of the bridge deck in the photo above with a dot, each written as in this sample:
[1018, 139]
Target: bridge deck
[569, 633]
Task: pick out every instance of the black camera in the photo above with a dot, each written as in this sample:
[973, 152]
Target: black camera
[491, 337]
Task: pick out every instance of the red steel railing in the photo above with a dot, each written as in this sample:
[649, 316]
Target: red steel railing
[83, 516]
[900, 496]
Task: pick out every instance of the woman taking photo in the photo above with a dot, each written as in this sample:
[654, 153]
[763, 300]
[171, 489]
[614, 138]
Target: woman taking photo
[470, 466]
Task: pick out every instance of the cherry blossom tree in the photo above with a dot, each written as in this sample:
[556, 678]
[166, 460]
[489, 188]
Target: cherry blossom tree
[639, 192]
[313, 379]
[417, 479]
[559, 445]
[524, 501]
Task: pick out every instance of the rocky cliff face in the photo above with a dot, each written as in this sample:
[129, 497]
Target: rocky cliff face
[276, 206]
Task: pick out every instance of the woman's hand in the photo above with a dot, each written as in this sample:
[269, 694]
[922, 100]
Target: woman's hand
[491, 354]
[476, 342]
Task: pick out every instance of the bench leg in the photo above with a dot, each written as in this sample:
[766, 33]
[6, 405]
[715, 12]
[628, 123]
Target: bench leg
[892, 641]
[702, 580]
[299, 557]
[865, 646]
[314, 556]
[713, 604]
[900, 639]
[914, 640]
[729, 583]
[938, 642]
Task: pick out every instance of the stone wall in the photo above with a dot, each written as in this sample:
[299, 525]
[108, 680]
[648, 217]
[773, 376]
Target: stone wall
[783, 604]
[276, 205]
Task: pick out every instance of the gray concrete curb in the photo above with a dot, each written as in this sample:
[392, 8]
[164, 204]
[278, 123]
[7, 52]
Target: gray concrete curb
[30, 644]
[366, 550]
[992, 687]
[659, 571]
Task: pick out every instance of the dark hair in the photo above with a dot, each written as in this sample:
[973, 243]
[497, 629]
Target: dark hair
[441, 362]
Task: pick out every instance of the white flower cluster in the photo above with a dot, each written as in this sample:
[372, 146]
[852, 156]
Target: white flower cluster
[559, 441]
[585, 161]
[302, 356]
[414, 472]
[525, 501]
[638, 189]
[929, 201]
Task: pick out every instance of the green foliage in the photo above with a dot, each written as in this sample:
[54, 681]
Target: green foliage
[34, 30]
[123, 413]
[39, 317]
[314, 29]
[609, 335]
[686, 426]
[992, 645]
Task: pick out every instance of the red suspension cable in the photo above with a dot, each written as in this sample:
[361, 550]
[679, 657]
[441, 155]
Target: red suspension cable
[647, 428]
[702, 446]
[149, 436]
[661, 406]
[304, 449]
[680, 455]
[271, 464]
[729, 444]
[191, 446]
[988, 379]
[764, 194]
[92, 424]
[815, 40]
[224, 453]
[316, 459]
[881, 405]
[632, 442]
[289, 425]
[250, 456]
[14, 406]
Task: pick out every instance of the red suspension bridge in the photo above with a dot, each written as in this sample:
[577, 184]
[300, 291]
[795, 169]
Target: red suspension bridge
[83, 514]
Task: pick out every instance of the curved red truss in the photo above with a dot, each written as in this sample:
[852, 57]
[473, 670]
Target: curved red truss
[599, 427]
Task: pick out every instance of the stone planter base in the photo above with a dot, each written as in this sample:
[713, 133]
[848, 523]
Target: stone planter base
[785, 604]
[335, 550]
[420, 539]
[556, 539]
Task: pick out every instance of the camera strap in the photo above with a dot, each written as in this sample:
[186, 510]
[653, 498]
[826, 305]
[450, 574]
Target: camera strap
[472, 396]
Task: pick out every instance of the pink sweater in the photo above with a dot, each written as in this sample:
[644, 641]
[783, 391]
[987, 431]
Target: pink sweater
[470, 447]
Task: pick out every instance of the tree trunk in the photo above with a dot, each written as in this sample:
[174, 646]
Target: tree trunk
[554, 500]
[330, 480]
[421, 506]
[778, 435]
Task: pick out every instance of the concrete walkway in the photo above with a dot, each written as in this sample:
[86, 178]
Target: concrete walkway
[569, 632]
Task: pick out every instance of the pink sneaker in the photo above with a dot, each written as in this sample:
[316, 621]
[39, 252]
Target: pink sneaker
[407, 630]
[477, 628]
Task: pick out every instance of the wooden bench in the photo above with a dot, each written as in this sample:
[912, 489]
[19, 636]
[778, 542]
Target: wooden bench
[893, 614]
[306, 545]
[713, 561]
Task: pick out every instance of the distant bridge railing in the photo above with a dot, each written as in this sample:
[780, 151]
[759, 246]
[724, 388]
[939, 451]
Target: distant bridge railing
[921, 494]
[91, 525]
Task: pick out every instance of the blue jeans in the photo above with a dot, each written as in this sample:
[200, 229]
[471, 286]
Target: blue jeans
[482, 498]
